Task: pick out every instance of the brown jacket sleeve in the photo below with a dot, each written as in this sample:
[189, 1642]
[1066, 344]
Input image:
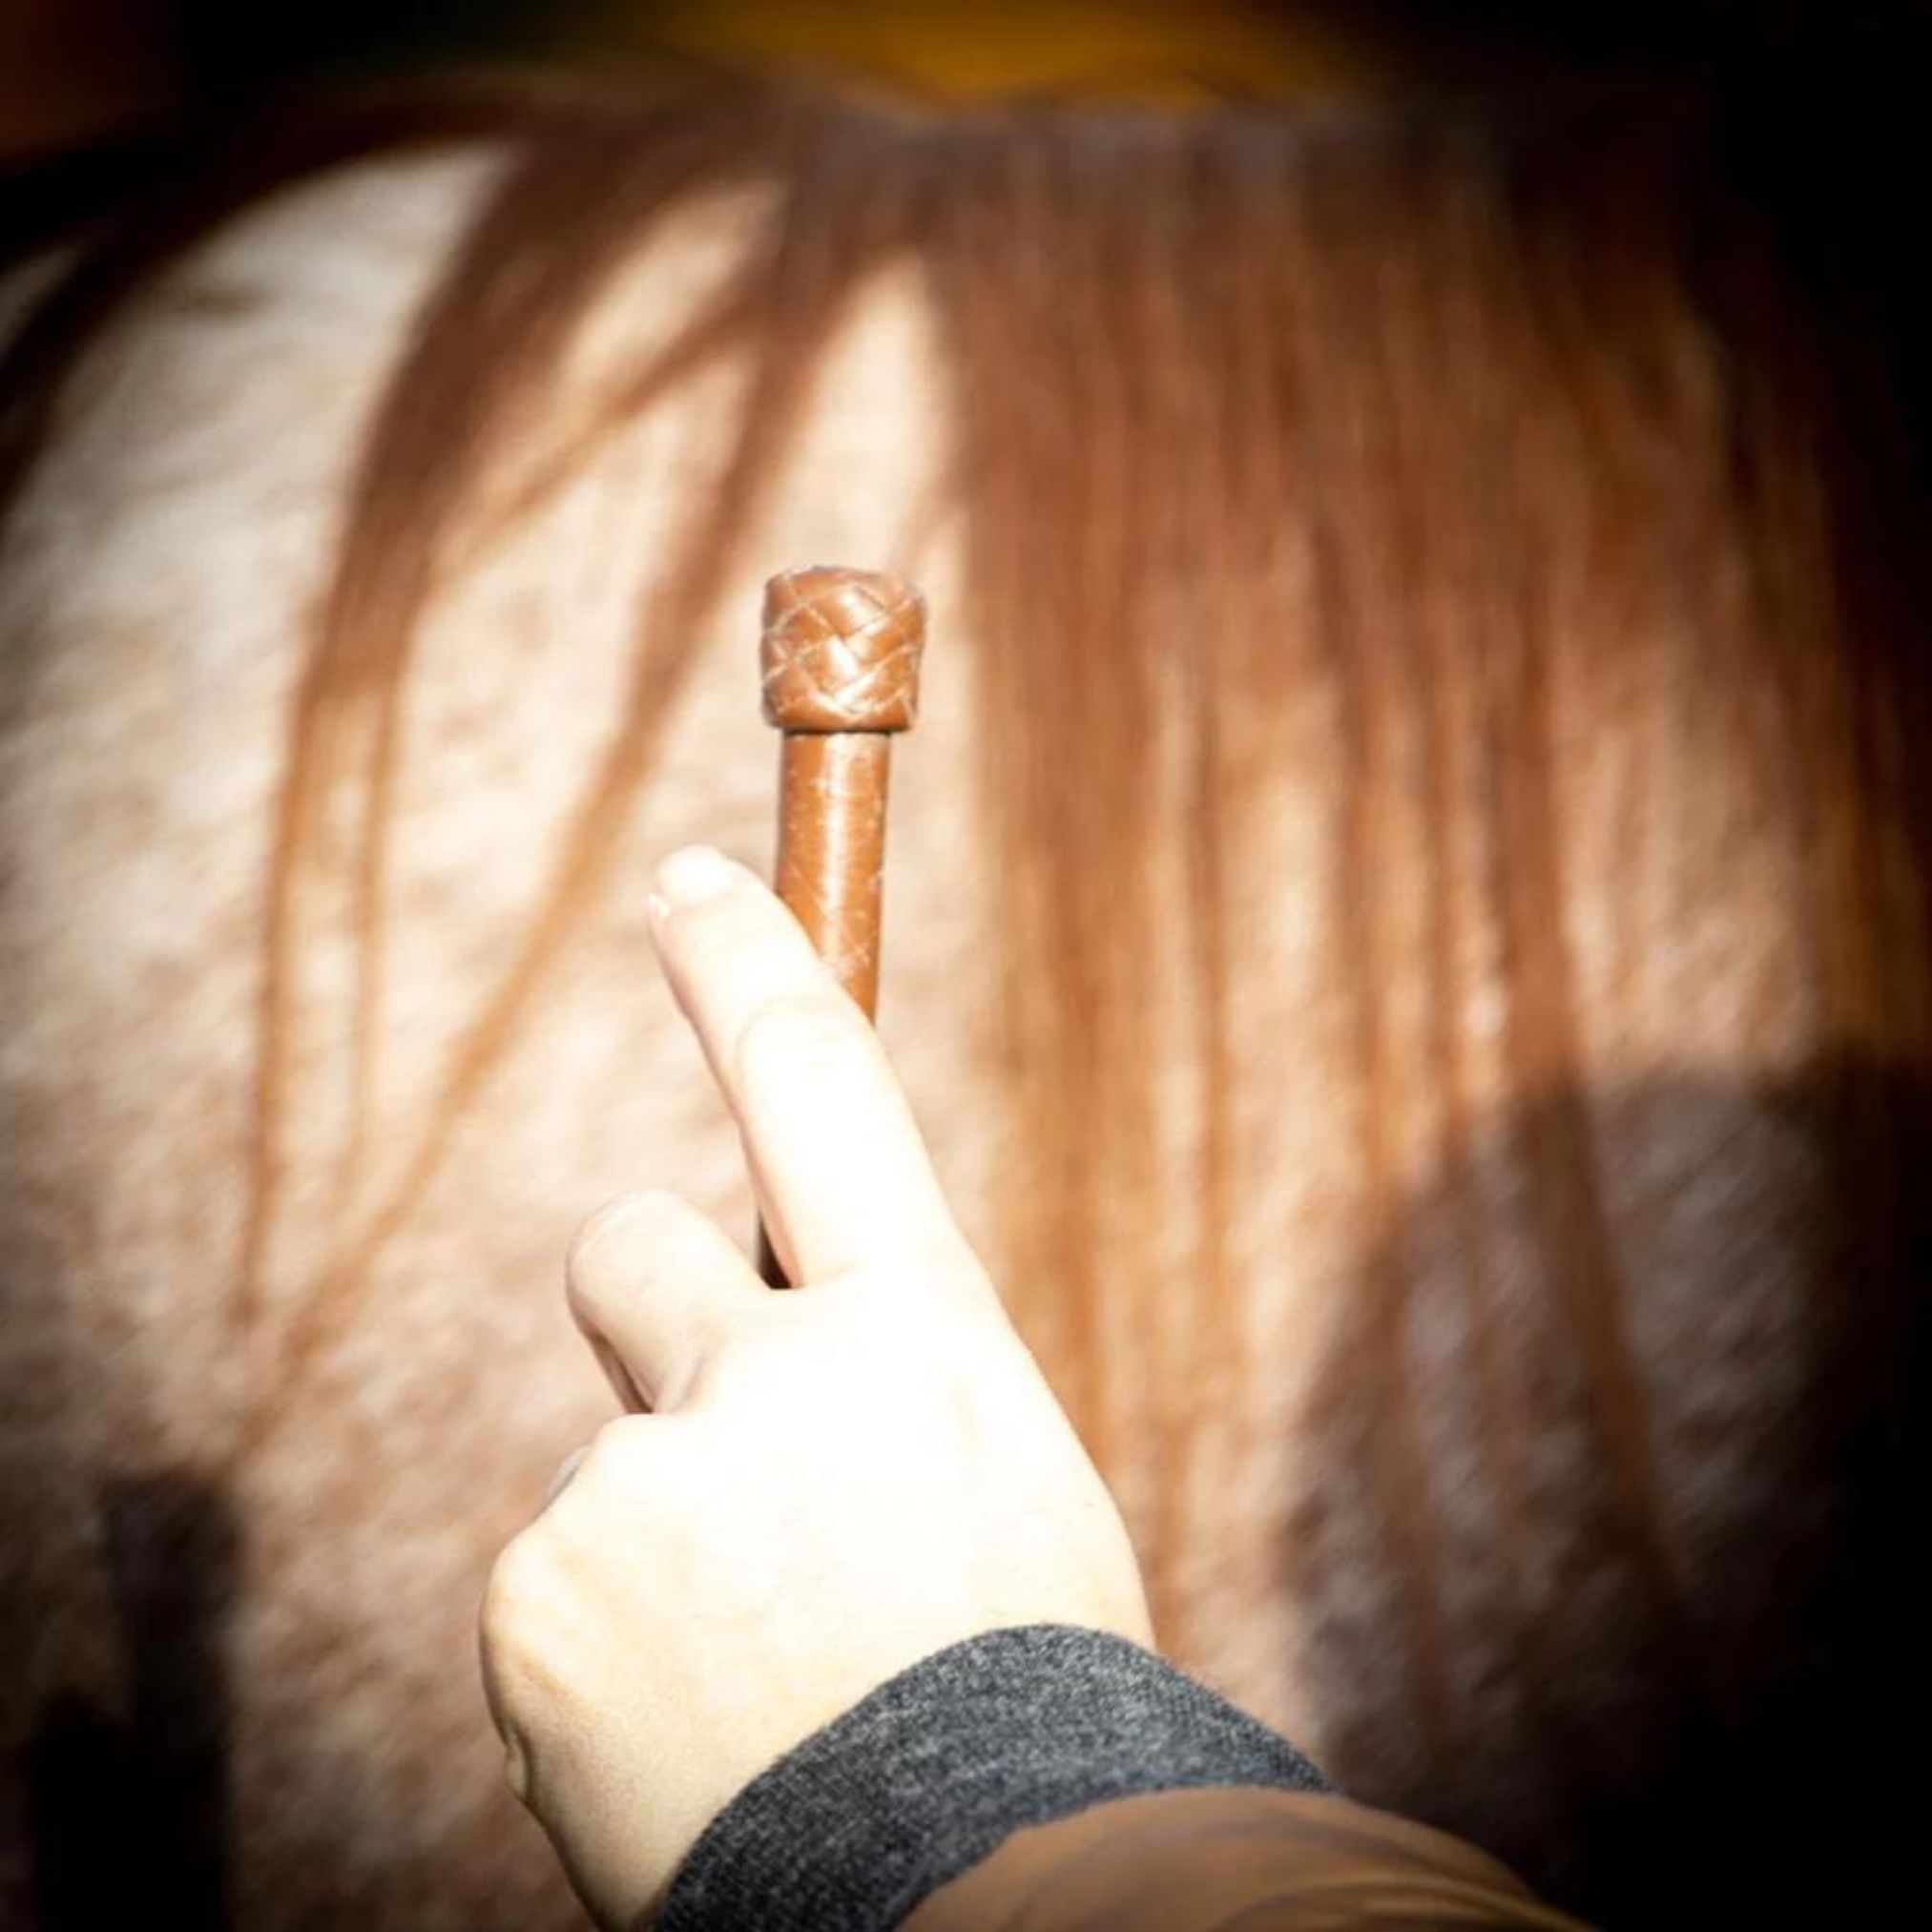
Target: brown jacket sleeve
[1211, 1861]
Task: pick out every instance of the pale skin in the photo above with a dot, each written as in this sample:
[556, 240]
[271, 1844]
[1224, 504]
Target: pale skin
[812, 1490]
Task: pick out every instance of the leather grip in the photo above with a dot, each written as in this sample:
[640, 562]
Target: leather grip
[839, 664]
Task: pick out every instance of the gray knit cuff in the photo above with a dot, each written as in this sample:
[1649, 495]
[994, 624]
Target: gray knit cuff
[924, 1778]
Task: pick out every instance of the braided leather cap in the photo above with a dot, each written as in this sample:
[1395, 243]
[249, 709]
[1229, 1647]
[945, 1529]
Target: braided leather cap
[840, 649]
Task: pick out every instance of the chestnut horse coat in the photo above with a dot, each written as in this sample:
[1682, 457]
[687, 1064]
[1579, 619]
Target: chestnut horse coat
[1405, 932]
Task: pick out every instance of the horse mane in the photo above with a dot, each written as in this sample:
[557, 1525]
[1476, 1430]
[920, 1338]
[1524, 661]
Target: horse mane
[1248, 406]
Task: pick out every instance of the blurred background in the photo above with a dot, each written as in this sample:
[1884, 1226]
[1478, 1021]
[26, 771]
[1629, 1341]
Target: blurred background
[93, 93]
[80, 72]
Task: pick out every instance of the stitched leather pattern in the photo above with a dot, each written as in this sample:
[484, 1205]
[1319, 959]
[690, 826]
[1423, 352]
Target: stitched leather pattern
[841, 650]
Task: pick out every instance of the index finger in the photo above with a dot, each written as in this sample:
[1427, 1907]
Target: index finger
[846, 1175]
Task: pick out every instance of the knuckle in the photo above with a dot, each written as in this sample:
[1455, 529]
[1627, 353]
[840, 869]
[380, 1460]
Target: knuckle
[616, 1454]
[969, 1343]
[949, 1277]
[795, 1033]
[950, 1269]
[517, 1589]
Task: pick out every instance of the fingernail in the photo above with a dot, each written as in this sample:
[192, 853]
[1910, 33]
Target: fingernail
[605, 1222]
[694, 875]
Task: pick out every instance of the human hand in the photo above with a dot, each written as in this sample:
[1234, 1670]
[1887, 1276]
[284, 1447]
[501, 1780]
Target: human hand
[824, 1487]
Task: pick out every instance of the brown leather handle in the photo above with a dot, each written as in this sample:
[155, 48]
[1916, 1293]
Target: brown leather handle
[840, 660]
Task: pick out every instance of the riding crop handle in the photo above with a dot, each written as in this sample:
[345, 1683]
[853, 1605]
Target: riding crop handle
[840, 664]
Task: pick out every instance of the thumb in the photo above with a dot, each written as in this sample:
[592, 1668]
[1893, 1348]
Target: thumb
[658, 1288]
